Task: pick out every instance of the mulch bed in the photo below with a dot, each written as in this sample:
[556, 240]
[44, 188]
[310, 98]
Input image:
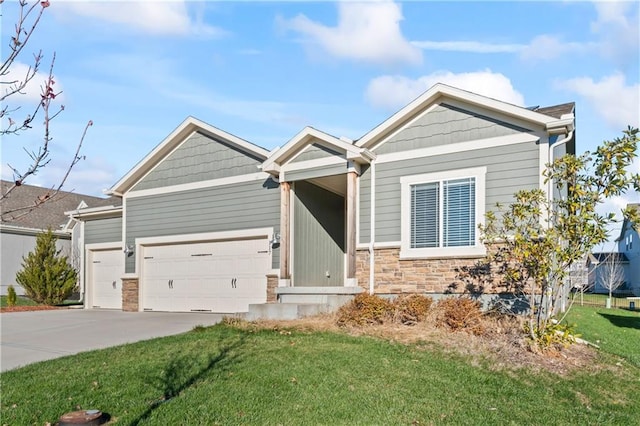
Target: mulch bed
[29, 308]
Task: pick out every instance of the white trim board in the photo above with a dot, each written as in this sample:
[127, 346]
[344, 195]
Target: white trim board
[479, 144]
[206, 236]
[259, 176]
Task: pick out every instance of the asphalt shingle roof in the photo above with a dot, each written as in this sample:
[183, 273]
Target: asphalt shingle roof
[556, 111]
[51, 213]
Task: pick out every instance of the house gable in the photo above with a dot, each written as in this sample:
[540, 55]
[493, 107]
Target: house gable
[466, 101]
[315, 152]
[193, 143]
[198, 158]
[445, 124]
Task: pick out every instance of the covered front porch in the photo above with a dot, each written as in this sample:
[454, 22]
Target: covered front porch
[318, 177]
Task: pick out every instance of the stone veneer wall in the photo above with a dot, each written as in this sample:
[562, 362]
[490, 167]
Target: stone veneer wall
[395, 276]
[272, 283]
[130, 294]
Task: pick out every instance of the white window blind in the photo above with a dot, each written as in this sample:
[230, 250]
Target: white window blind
[443, 221]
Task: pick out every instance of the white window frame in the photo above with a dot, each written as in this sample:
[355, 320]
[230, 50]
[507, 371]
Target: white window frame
[406, 182]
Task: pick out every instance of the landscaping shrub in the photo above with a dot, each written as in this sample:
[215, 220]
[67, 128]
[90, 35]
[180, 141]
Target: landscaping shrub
[12, 298]
[365, 309]
[461, 313]
[411, 309]
[46, 276]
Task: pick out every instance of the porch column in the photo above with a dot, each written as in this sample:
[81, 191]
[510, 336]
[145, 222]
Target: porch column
[285, 234]
[351, 228]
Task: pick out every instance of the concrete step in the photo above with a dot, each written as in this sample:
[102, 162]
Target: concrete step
[285, 311]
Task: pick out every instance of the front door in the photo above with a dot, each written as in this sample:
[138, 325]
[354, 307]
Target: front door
[318, 236]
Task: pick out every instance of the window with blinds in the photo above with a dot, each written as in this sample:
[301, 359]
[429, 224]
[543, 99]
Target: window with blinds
[443, 214]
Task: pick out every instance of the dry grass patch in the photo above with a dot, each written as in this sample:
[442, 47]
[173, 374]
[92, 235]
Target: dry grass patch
[491, 341]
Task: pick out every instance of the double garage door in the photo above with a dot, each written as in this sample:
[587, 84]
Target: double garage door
[223, 276]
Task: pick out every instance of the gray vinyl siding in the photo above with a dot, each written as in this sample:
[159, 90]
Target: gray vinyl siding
[509, 168]
[364, 213]
[199, 158]
[14, 246]
[310, 173]
[445, 125]
[315, 152]
[234, 207]
[103, 230]
[318, 235]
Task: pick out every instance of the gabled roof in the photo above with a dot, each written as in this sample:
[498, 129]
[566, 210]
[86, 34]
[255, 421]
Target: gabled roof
[597, 258]
[557, 111]
[635, 206]
[50, 214]
[441, 91]
[308, 136]
[185, 129]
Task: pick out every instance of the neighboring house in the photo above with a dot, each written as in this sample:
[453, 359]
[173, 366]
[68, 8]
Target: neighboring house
[608, 269]
[211, 222]
[18, 231]
[629, 244]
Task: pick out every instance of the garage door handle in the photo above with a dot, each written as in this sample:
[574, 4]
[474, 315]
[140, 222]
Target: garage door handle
[170, 283]
[233, 282]
[113, 284]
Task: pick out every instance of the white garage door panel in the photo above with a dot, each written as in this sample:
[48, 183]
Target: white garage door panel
[106, 269]
[221, 276]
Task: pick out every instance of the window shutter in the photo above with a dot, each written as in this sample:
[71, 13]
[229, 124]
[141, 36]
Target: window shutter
[425, 199]
[459, 212]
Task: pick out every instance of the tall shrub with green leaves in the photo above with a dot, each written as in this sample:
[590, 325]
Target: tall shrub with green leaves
[46, 275]
[12, 297]
[535, 241]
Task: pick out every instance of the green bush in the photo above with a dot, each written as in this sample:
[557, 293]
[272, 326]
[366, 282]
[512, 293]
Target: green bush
[365, 309]
[12, 297]
[411, 309]
[461, 313]
[46, 276]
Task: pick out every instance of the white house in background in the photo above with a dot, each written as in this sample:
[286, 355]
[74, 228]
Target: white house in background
[18, 232]
[603, 268]
[629, 245]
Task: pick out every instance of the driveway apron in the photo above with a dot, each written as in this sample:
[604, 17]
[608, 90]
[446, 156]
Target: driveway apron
[28, 337]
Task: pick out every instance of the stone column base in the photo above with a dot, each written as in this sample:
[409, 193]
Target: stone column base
[130, 292]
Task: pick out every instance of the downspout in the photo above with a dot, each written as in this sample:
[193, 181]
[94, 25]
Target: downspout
[551, 148]
[551, 189]
[81, 254]
[372, 225]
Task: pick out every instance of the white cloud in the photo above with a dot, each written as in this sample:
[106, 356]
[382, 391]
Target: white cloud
[617, 102]
[368, 32]
[392, 92]
[468, 46]
[548, 47]
[617, 24]
[155, 18]
[33, 90]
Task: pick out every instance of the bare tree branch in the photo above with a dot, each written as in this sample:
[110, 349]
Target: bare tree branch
[26, 24]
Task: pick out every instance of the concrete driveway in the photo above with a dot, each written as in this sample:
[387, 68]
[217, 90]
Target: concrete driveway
[28, 337]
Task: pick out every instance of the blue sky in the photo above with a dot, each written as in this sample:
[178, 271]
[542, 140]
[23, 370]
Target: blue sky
[264, 70]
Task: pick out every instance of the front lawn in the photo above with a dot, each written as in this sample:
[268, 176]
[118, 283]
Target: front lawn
[616, 331]
[21, 301]
[230, 375]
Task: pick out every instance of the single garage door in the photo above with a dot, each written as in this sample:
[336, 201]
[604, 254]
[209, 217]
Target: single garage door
[107, 267]
[222, 276]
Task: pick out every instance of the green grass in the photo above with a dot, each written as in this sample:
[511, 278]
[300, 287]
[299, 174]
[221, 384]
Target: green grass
[225, 375]
[22, 301]
[616, 331]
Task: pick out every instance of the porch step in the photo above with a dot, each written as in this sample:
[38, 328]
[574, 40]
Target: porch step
[284, 311]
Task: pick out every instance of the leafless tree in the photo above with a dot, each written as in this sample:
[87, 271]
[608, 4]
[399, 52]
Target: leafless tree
[610, 273]
[15, 121]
